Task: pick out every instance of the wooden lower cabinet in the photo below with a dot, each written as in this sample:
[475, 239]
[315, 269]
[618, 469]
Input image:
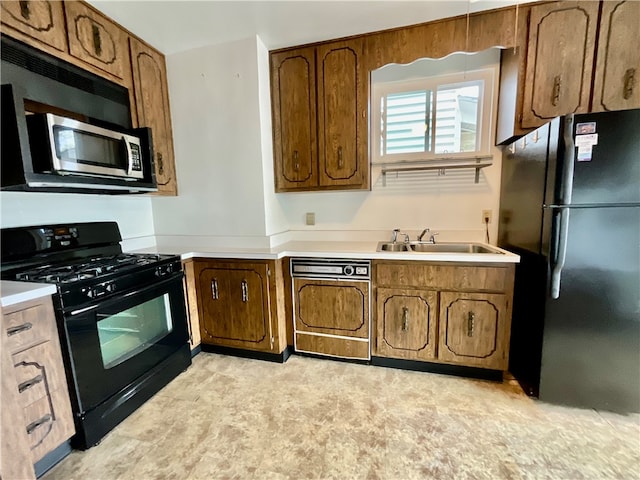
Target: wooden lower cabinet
[407, 323]
[474, 329]
[239, 304]
[445, 313]
[36, 410]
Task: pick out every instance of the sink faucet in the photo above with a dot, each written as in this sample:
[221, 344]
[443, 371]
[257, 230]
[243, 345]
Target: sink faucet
[432, 235]
[394, 235]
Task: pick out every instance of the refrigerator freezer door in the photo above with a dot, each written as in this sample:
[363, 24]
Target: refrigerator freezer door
[612, 174]
[591, 345]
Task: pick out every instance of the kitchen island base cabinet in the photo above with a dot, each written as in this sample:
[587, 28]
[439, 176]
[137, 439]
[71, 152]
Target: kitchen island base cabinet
[240, 304]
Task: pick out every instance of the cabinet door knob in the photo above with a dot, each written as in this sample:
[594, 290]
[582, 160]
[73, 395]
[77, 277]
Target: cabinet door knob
[405, 319]
[296, 163]
[97, 41]
[25, 11]
[629, 83]
[555, 98]
[214, 289]
[245, 291]
[471, 323]
[20, 328]
[340, 160]
[38, 423]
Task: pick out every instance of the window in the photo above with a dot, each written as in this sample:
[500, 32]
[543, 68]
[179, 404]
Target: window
[434, 117]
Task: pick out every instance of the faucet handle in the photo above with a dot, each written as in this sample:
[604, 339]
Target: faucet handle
[432, 237]
[394, 235]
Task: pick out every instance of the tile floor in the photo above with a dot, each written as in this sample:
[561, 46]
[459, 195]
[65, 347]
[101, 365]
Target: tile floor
[228, 417]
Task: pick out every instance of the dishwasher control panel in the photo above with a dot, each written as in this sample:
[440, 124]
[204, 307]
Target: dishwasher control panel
[330, 268]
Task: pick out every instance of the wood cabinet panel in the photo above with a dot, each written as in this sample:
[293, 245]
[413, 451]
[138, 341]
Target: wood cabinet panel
[330, 307]
[332, 346]
[235, 305]
[473, 329]
[443, 277]
[293, 94]
[617, 75]
[39, 22]
[95, 39]
[152, 108]
[24, 328]
[37, 371]
[406, 323]
[341, 114]
[559, 60]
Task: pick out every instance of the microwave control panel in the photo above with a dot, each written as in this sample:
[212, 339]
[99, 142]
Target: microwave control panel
[136, 164]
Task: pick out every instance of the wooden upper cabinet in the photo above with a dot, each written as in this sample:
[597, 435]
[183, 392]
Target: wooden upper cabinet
[319, 117]
[474, 329]
[406, 323]
[559, 60]
[342, 122]
[617, 75]
[36, 22]
[152, 108]
[95, 39]
[294, 119]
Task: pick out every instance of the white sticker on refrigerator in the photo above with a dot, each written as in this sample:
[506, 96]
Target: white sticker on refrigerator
[586, 140]
[584, 153]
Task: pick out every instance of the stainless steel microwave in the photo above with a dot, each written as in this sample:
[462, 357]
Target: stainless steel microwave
[71, 147]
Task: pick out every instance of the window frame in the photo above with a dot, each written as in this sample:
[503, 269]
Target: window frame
[431, 83]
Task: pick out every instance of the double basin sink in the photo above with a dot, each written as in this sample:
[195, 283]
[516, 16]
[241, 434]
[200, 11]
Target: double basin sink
[424, 247]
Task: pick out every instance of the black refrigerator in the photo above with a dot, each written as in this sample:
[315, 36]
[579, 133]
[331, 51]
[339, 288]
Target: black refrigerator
[570, 207]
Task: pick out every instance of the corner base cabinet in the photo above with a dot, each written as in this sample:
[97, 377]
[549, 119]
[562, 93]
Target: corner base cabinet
[457, 314]
[240, 303]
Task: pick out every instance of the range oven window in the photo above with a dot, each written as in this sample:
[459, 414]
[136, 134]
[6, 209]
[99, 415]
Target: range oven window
[125, 334]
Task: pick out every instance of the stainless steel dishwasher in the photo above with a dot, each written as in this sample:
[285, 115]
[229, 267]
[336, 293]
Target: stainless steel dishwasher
[331, 307]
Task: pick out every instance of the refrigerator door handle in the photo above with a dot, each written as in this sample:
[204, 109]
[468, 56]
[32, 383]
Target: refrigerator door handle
[561, 251]
[566, 190]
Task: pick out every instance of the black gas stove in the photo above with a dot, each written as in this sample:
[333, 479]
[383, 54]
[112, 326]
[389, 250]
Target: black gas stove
[121, 316]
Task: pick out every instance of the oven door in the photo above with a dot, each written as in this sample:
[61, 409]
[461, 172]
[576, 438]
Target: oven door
[115, 341]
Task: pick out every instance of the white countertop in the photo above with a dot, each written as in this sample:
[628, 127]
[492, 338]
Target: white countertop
[331, 249]
[18, 292]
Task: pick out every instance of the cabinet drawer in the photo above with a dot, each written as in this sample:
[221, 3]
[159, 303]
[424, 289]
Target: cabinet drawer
[333, 346]
[25, 328]
[443, 277]
[38, 371]
[48, 423]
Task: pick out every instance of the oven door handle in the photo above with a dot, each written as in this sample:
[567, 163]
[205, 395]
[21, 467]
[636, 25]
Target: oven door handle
[119, 296]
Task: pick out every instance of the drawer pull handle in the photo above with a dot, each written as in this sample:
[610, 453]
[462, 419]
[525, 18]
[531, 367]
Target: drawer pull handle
[20, 328]
[214, 288]
[629, 83]
[30, 383]
[25, 11]
[245, 291]
[471, 323]
[405, 319]
[38, 423]
[296, 163]
[557, 82]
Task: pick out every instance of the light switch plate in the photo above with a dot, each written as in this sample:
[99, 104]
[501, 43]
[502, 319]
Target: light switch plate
[311, 218]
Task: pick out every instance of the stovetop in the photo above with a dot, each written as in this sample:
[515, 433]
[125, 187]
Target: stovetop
[89, 268]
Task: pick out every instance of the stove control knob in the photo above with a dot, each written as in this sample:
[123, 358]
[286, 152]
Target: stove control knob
[88, 292]
[348, 270]
[110, 287]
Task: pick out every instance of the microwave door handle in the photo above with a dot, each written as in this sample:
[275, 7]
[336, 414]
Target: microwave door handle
[129, 156]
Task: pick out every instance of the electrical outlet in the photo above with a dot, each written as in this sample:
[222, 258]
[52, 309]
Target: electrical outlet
[486, 216]
[310, 218]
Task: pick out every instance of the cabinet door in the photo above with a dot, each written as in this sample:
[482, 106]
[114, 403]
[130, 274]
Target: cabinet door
[234, 306]
[617, 75]
[342, 123]
[406, 323]
[474, 329]
[293, 93]
[152, 107]
[559, 60]
[94, 39]
[40, 21]
[332, 307]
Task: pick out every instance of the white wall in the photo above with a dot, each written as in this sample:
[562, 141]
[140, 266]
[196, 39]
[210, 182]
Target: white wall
[132, 212]
[215, 107]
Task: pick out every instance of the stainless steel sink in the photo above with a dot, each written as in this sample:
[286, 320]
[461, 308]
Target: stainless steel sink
[423, 247]
[392, 247]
